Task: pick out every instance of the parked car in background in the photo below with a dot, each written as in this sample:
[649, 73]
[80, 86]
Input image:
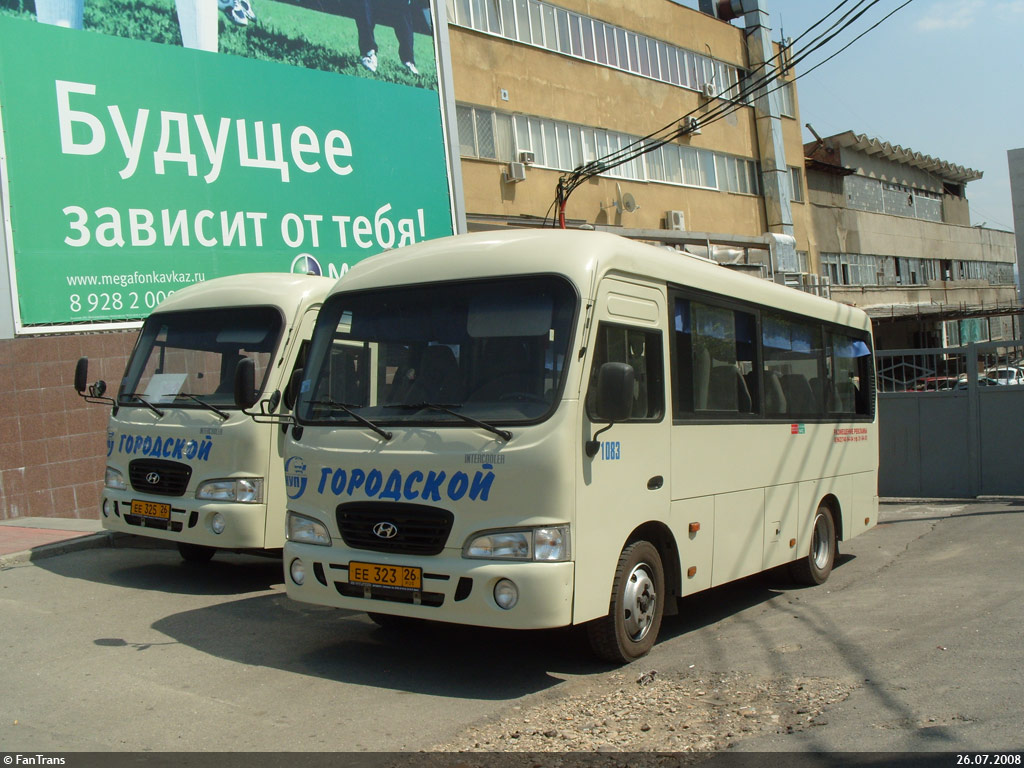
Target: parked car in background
[935, 383]
[1006, 374]
[983, 381]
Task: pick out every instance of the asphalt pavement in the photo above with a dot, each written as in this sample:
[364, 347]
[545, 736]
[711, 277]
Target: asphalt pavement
[112, 645]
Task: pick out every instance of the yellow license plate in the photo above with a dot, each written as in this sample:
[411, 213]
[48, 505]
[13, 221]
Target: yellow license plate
[400, 576]
[151, 509]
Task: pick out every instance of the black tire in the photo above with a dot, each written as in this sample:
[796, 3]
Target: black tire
[195, 553]
[391, 622]
[817, 565]
[636, 608]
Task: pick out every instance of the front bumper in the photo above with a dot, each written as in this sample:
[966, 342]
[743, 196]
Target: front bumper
[455, 589]
[190, 521]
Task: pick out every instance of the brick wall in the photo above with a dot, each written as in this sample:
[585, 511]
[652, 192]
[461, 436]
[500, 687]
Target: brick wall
[53, 443]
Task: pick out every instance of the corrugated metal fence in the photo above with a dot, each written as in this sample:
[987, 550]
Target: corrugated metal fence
[951, 421]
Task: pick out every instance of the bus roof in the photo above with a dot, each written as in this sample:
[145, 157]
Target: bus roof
[584, 257]
[274, 289]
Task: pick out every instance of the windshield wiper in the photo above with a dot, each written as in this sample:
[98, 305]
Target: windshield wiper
[349, 409]
[504, 434]
[146, 403]
[195, 399]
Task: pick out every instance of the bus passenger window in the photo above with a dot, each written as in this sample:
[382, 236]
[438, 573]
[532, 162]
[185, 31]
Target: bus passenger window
[849, 373]
[714, 361]
[793, 358]
[642, 350]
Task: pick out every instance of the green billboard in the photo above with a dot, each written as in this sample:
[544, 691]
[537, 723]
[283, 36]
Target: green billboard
[134, 167]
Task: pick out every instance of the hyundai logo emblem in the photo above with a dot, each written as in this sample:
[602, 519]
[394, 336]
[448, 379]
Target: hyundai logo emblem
[153, 478]
[385, 530]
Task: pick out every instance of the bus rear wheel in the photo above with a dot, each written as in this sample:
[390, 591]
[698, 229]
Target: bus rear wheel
[636, 609]
[195, 553]
[817, 565]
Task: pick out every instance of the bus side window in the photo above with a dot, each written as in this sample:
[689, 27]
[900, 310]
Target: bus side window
[642, 350]
[793, 356]
[714, 361]
[848, 361]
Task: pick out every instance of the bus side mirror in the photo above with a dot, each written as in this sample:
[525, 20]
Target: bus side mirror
[82, 386]
[615, 392]
[614, 400]
[245, 383]
[291, 392]
[81, 374]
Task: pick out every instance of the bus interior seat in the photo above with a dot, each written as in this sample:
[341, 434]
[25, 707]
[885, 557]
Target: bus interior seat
[344, 387]
[799, 396]
[506, 366]
[436, 379]
[701, 378]
[774, 397]
[728, 390]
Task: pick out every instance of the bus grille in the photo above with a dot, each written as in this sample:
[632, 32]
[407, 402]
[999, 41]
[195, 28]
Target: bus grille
[414, 529]
[159, 477]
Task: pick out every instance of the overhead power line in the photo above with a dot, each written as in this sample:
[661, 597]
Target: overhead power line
[762, 76]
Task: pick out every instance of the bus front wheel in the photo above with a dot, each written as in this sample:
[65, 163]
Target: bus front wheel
[636, 609]
[195, 553]
[817, 565]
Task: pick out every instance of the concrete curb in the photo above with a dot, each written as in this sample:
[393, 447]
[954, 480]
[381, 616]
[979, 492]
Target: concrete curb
[103, 539]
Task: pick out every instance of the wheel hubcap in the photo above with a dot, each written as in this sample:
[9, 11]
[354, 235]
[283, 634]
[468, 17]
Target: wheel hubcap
[639, 602]
[822, 544]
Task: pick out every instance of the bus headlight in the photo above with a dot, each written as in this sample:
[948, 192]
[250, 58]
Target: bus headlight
[298, 571]
[114, 479]
[247, 490]
[306, 530]
[218, 523]
[549, 544]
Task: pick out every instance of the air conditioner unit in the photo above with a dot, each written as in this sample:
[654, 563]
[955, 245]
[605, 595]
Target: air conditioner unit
[675, 220]
[526, 157]
[515, 172]
[708, 90]
[692, 125]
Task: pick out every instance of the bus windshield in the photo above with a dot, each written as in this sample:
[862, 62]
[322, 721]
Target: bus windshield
[491, 350]
[188, 358]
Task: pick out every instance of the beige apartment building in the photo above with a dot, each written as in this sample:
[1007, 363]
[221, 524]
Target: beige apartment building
[544, 86]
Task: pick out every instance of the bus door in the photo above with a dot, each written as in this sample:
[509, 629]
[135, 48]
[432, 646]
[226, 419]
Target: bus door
[625, 482]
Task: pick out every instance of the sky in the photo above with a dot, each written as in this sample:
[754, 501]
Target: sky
[940, 77]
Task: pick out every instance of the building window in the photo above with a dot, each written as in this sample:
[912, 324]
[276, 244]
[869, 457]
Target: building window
[557, 29]
[787, 103]
[796, 184]
[490, 135]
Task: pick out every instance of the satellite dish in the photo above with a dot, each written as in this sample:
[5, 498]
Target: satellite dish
[629, 203]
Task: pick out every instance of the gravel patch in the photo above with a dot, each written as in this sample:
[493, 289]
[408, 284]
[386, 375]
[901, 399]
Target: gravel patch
[647, 711]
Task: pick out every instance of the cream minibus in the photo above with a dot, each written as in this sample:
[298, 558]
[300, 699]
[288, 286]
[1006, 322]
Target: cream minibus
[185, 463]
[572, 428]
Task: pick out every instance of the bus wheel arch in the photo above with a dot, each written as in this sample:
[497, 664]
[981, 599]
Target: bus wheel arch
[834, 507]
[661, 537]
[814, 567]
[640, 592]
